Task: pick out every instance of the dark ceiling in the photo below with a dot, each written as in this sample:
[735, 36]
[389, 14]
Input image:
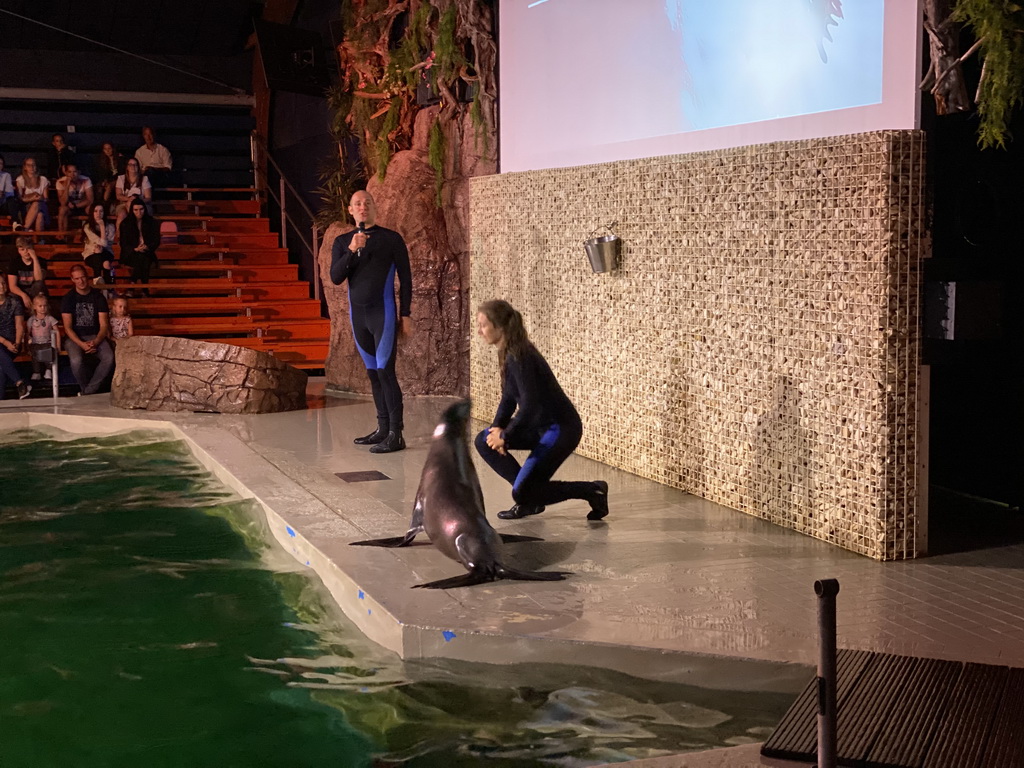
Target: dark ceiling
[148, 27]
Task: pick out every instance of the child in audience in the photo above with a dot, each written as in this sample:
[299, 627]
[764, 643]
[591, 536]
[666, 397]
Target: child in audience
[120, 321]
[40, 329]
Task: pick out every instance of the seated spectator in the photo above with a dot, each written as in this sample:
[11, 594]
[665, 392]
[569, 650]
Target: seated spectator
[139, 238]
[129, 185]
[41, 327]
[154, 158]
[85, 316]
[32, 189]
[12, 334]
[26, 272]
[120, 321]
[8, 198]
[75, 194]
[109, 165]
[59, 156]
[98, 251]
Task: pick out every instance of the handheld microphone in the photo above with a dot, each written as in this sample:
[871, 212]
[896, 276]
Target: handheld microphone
[362, 231]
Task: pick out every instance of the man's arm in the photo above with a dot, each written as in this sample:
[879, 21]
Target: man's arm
[69, 329]
[341, 259]
[38, 273]
[12, 287]
[104, 328]
[19, 330]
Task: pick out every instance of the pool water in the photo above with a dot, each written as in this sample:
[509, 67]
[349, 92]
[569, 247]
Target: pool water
[146, 619]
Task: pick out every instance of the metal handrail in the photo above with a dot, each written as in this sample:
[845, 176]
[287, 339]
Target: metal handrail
[263, 145]
[257, 143]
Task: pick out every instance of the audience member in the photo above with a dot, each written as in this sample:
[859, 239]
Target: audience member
[98, 251]
[75, 194]
[85, 316]
[120, 321]
[8, 200]
[109, 165]
[139, 238]
[32, 189]
[41, 327]
[26, 272]
[154, 158]
[12, 334]
[129, 185]
[58, 156]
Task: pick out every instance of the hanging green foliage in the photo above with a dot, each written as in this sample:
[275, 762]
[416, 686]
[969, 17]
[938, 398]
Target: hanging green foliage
[999, 26]
[374, 106]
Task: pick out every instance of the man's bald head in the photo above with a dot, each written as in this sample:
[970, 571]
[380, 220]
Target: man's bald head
[363, 209]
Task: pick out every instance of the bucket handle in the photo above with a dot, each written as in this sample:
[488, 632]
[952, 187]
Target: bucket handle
[603, 226]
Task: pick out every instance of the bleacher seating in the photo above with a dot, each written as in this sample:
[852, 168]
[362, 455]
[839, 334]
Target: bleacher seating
[224, 276]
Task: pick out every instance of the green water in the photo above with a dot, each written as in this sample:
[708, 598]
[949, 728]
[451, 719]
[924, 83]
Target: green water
[145, 621]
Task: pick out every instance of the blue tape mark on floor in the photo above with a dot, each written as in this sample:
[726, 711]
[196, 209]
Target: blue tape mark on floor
[362, 595]
[290, 531]
[448, 635]
[369, 612]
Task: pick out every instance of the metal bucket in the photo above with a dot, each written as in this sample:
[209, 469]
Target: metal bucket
[603, 252]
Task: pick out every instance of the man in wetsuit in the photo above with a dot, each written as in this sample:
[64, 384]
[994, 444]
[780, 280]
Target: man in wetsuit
[370, 257]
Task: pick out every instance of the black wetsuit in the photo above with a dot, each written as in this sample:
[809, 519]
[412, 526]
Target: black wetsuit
[371, 299]
[546, 424]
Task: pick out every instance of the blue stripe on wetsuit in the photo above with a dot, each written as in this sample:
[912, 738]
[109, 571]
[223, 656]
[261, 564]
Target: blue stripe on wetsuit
[378, 358]
[537, 455]
[387, 339]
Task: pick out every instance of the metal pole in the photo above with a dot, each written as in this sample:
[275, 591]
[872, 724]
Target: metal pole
[254, 158]
[53, 365]
[826, 590]
[284, 215]
[316, 263]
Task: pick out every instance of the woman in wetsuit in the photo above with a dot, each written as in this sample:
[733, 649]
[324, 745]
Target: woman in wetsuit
[535, 415]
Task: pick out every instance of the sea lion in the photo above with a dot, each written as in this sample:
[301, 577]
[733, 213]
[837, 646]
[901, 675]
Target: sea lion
[449, 508]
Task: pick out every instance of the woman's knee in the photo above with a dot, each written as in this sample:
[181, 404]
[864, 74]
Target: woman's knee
[481, 443]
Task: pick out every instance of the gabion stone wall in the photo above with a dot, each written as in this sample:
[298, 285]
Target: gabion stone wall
[758, 345]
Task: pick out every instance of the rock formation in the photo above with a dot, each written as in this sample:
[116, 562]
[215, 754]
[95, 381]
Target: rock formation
[159, 373]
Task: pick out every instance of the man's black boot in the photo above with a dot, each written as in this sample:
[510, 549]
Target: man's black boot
[393, 442]
[374, 437]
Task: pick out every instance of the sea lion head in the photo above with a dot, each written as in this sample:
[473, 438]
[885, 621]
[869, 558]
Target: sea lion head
[454, 420]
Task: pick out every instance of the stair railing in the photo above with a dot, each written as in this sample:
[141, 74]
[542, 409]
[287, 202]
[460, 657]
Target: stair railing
[260, 156]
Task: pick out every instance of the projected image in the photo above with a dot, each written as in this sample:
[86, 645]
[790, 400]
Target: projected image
[600, 72]
[748, 61]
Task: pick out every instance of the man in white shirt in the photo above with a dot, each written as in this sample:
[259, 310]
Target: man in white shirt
[75, 194]
[152, 156]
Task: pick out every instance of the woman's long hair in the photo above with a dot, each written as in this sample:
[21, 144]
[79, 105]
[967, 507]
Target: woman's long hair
[507, 319]
[97, 229]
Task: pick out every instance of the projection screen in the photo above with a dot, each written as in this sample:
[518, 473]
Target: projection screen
[591, 81]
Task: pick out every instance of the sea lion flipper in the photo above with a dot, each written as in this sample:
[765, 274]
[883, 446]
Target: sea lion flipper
[512, 538]
[394, 541]
[511, 573]
[465, 580]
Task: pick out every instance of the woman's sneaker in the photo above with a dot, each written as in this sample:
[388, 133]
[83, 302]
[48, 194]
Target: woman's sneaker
[48, 374]
[24, 390]
[35, 377]
[598, 501]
